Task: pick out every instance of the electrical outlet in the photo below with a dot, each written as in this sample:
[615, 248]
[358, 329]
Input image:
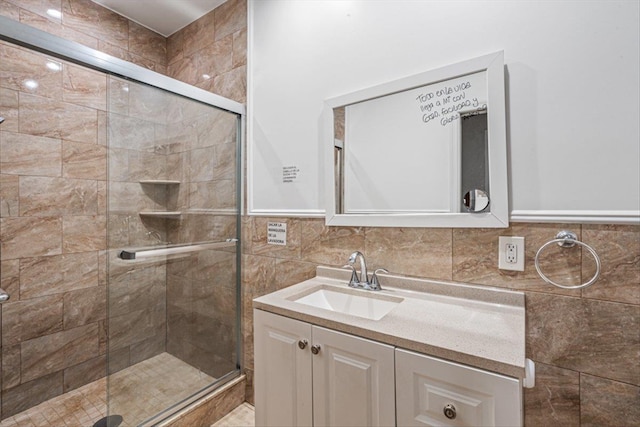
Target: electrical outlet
[511, 253]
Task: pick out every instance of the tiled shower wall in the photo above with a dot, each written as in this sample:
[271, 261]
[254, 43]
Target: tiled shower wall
[185, 306]
[58, 360]
[137, 122]
[87, 23]
[210, 53]
[53, 185]
[201, 289]
[52, 226]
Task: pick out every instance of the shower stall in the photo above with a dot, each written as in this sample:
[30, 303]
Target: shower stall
[119, 236]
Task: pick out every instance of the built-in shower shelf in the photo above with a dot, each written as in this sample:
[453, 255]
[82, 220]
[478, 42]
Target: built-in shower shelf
[161, 214]
[159, 181]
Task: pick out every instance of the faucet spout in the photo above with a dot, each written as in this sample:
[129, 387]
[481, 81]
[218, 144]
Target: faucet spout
[364, 277]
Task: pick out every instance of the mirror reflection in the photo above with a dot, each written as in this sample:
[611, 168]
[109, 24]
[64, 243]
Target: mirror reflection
[475, 200]
[406, 152]
[414, 151]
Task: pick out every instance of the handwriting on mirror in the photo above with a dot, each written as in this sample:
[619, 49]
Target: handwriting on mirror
[445, 103]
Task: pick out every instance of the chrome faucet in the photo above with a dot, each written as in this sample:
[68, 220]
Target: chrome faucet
[363, 281]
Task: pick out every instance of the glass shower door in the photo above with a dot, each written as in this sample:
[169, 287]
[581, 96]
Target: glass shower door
[173, 232]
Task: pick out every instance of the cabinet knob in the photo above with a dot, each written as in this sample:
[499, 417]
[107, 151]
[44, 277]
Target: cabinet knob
[450, 411]
[315, 349]
[302, 344]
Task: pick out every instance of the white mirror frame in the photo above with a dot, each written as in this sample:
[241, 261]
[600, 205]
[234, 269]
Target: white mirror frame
[498, 215]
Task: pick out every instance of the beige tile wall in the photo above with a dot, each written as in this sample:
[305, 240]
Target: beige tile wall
[201, 309]
[87, 23]
[186, 306]
[56, 204]
[211, 53]
[53, 223]
[52, 227]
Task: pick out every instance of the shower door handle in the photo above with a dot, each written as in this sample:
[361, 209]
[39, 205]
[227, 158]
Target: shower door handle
[174, 250]
[4, 296]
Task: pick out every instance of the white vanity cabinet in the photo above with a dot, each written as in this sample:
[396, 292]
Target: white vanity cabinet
[445, 354]
[308, 375]
[435, 392]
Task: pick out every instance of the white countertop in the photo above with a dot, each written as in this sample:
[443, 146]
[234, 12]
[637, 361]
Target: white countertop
[478, 326]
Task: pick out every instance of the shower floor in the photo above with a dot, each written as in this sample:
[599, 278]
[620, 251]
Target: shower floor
[137, 393]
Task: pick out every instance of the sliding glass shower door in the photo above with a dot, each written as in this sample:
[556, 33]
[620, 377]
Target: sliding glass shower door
[173, 232]
[119, 232]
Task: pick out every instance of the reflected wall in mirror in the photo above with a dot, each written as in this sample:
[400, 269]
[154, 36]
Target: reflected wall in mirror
[413, 137]
[407, 152]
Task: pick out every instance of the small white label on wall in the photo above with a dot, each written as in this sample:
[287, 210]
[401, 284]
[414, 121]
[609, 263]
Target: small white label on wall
[290, 173]
[277, 233]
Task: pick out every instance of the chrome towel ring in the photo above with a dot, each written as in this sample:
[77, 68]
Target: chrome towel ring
[568, 239]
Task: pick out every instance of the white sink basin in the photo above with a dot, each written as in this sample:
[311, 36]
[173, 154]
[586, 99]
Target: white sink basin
[357, 303]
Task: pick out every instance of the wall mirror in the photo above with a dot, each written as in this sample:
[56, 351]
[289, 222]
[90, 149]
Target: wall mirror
[427, 150]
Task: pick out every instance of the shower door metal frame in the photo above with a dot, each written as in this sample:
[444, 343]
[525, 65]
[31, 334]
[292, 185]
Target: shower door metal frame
[32, 38]
[40, 41]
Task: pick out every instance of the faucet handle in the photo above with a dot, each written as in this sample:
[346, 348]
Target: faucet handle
[354, 282]
[375, 283]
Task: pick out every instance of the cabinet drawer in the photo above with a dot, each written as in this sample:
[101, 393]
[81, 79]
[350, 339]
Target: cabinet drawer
[427, 387]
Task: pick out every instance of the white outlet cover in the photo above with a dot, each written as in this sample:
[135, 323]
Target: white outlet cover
[502, 254]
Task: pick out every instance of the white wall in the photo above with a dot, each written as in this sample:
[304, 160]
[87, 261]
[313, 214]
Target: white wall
[572, 91]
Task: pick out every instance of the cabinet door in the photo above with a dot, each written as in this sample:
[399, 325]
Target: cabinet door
[352, 381]
[282, 371]
[426, 385]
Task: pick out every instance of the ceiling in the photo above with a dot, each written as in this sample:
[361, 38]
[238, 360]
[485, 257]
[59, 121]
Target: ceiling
[162, 16]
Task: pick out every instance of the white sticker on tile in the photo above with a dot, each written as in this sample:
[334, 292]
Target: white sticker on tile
[277, 233]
